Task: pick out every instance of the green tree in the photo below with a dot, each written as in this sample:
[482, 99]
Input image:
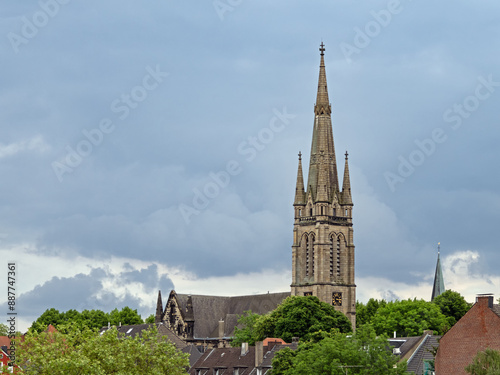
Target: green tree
[453, 305]
[283, 361]
[150, 319]
[126, 316]
[300, 317]
[365, 313]
[245, 330]
[93, 319]
[4, 330]
[49, 316]
[485, 363]
[409, 318]
[87, 352]
[333, 353]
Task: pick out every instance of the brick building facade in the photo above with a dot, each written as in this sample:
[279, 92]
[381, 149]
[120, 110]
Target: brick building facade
[479, 329]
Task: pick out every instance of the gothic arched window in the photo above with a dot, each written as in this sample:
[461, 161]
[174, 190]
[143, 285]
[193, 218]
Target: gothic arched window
[338, 256]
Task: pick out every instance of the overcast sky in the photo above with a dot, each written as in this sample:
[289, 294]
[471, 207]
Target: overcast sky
[153, 145]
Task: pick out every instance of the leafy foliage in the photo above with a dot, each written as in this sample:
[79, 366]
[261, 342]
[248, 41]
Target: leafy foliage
[453, 305]
[93, 319]
[333, 353]
[300, 317]
[409, 318]
[150, 319]
[4, 330]
[365, 313]
[84, 351]
[485, 363]
[245, 330]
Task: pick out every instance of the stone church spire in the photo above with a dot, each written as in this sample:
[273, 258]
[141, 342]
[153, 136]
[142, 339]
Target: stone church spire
[159, 309]
[300, 194]
[323, 245]
[322, 105]
[323, 163]
[438, 287]
[346, 186]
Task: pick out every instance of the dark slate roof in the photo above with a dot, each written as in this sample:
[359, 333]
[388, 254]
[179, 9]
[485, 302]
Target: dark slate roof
[268, 357]
[226, 358]
[496, 309]
[423, 353]
[416, 350]
[136, 329]
[194, 353]
[405, 344]
[209, 310]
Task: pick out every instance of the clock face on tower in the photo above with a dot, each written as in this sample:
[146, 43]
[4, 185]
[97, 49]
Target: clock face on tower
[337, 299]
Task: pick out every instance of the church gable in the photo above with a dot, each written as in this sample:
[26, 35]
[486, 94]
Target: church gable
[214, 317]
[173, 316]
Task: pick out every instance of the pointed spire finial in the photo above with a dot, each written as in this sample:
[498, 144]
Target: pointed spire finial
[438, 286]
[322, 49]
[346, 154]
[300, 194]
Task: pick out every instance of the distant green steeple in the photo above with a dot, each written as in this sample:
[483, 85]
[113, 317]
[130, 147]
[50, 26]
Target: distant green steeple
[438, 287]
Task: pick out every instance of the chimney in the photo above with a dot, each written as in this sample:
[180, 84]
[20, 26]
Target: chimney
[221, 329]
[259, 353]
[485, 300]
[244, 348]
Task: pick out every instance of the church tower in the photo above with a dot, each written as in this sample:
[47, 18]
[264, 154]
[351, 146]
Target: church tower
[438, 286]
[323, 248]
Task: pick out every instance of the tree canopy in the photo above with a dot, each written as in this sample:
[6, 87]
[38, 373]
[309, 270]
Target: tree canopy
[300, 317]
[365, 313]
[453, 305]
[409, 318]
[84, 351]
[93, 319]
[296, 316]
[333, 353]
[485, 363]
[245, 330]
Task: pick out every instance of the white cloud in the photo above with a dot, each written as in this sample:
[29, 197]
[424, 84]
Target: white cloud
[260, 282]
[36, 143]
